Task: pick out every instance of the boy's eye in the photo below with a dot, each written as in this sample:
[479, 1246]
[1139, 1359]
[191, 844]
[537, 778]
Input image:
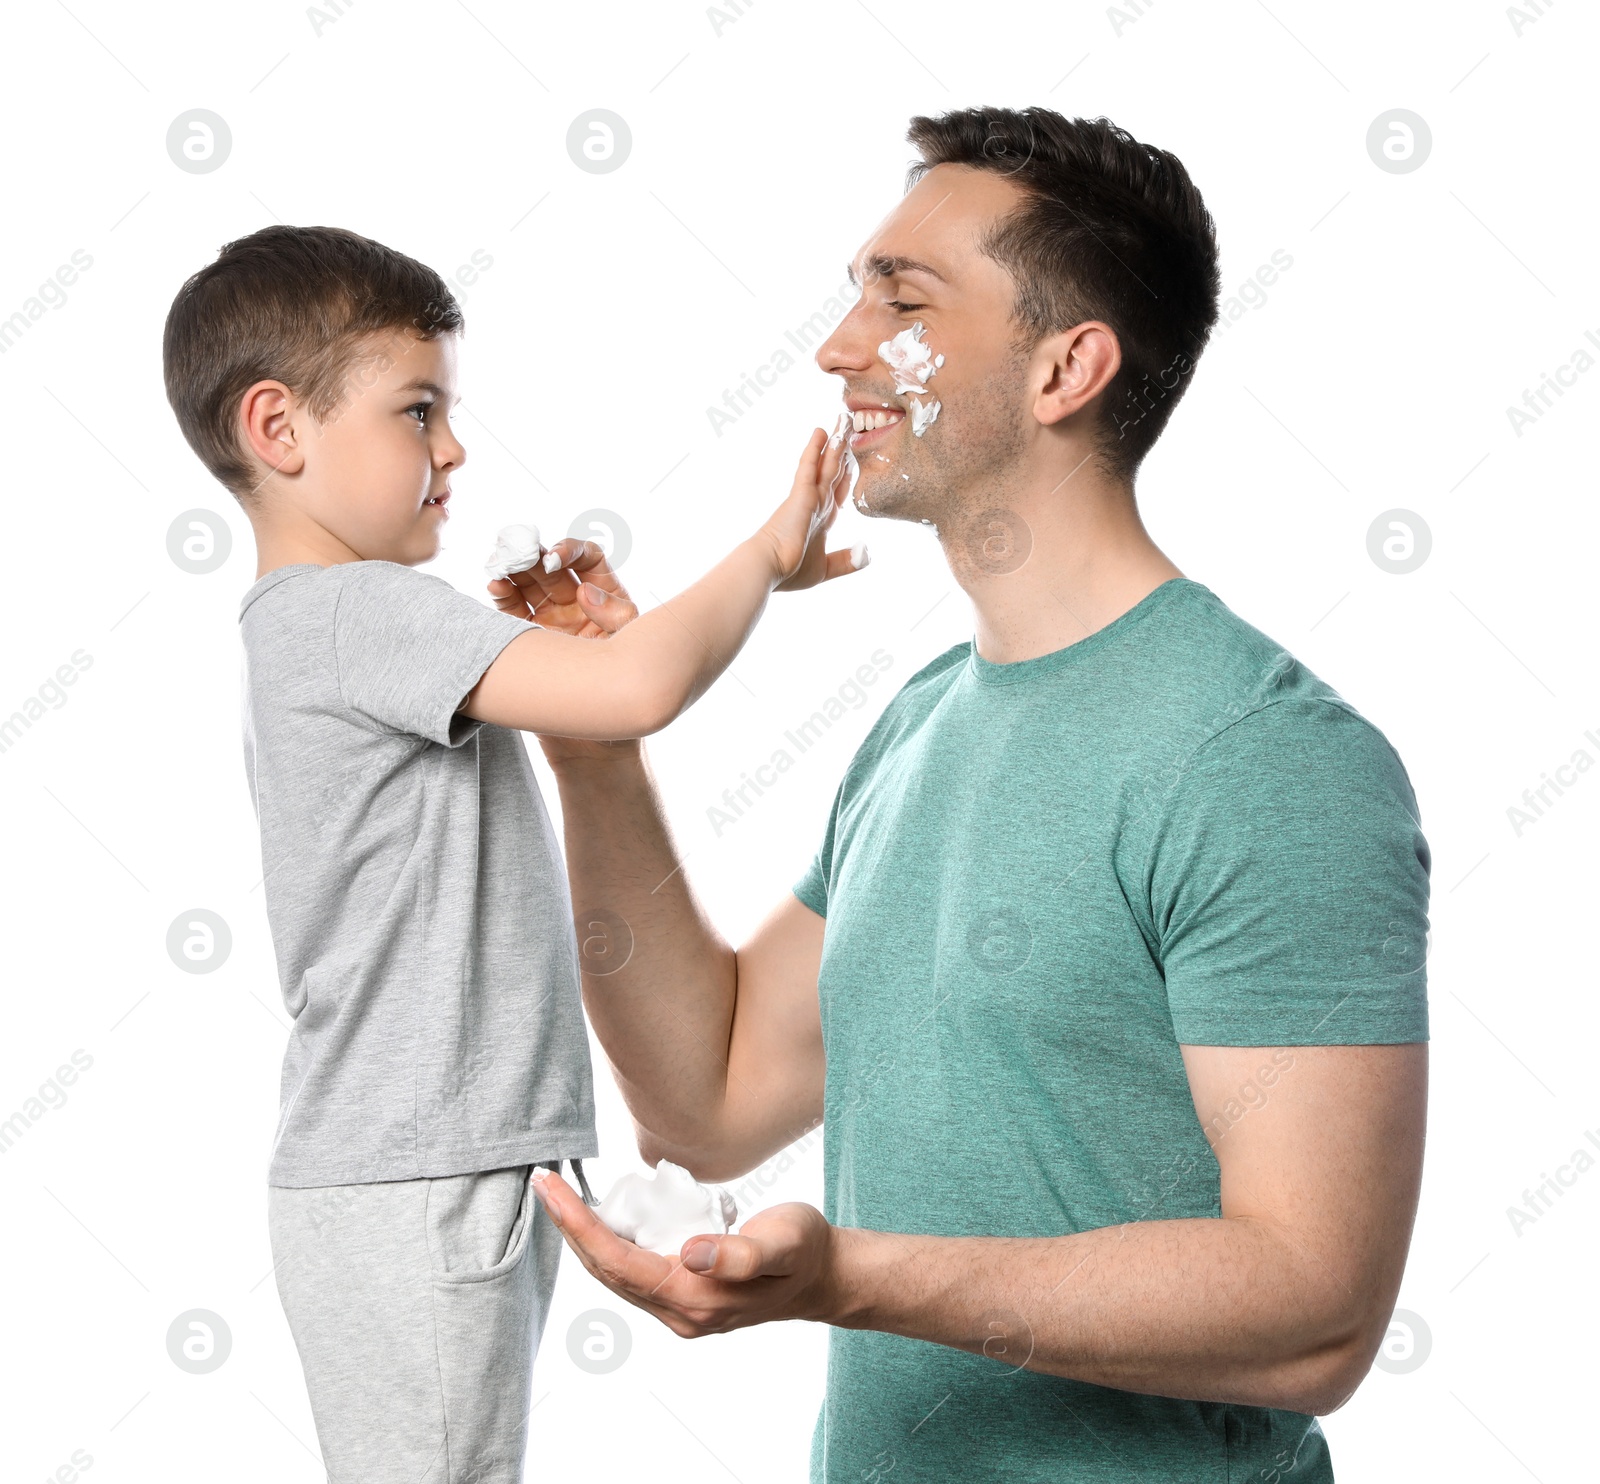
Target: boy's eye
[421, 408]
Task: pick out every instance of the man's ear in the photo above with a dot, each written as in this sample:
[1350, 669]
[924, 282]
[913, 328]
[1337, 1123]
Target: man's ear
[1072, 368]
[268, 414]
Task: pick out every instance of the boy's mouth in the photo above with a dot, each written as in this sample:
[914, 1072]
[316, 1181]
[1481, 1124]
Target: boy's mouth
[439, 499]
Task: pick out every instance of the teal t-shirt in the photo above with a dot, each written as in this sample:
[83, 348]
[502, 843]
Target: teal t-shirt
[1040, 879]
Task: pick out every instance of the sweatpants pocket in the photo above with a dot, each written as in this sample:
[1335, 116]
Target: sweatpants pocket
[489, 1304]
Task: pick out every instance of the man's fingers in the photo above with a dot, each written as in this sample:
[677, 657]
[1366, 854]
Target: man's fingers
[586, 558]
[586, 561]
[615, 1261]
[607, 611]
[729, 1259]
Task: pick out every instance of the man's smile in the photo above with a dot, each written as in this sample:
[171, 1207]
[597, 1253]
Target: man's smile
[871, 424]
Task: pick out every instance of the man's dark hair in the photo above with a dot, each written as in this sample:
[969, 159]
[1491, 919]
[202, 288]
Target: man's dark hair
[291, 304]
[1110, 229]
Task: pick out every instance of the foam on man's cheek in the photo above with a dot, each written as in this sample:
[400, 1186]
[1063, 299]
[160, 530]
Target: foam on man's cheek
[913, 363]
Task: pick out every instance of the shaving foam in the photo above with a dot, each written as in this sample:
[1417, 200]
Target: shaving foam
[911, 359]
[661, 1212]
[516, 549]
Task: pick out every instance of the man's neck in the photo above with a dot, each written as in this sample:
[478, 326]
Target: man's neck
[1050, 571]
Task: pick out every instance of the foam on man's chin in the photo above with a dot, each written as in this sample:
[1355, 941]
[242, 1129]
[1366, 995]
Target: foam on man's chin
[663, 1211]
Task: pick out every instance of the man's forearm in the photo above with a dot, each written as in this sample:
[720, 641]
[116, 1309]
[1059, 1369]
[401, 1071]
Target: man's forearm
[664, 1012]
[1207, 1309]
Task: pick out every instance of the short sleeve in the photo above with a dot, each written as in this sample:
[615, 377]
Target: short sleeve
[812, 887]
[409, 647]
[1288, 886]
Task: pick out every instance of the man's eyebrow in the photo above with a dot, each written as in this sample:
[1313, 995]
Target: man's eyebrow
[886, 266]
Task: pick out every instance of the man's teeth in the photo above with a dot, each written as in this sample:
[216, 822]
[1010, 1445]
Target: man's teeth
[865, 421]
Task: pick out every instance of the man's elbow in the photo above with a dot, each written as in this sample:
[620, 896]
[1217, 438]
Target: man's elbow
[1324, 1380]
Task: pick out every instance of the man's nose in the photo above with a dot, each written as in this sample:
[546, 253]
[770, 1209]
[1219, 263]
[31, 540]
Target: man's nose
[853, 346]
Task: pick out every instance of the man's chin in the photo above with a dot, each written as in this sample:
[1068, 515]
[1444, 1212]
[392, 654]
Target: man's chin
[887, 496]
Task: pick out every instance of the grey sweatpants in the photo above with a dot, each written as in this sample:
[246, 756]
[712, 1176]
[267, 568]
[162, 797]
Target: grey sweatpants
[417, 1306]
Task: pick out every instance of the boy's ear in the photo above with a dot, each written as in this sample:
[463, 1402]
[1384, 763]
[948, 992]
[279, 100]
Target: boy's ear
[267, 412]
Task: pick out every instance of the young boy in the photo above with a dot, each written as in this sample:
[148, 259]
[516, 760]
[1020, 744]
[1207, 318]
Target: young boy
[416, 895]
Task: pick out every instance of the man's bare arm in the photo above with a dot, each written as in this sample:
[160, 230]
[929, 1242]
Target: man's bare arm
[718, 1053]
[1282, 1302]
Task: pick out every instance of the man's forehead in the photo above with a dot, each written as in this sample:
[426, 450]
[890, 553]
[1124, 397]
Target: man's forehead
[936, 226]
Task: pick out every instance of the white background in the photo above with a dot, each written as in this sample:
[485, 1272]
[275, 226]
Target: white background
[617, 309]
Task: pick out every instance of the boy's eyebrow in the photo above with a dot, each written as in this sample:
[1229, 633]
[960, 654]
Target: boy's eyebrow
[885, 266]
[421, 384]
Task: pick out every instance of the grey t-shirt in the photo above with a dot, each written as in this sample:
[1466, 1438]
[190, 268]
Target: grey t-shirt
[414, 887]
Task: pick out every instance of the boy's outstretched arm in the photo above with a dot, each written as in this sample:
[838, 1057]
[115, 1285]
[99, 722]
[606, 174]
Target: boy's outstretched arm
[642, 678]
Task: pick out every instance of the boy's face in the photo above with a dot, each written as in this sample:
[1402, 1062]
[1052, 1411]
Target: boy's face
[377, 469]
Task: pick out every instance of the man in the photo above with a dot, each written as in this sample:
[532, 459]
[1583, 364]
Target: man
[1107, 982]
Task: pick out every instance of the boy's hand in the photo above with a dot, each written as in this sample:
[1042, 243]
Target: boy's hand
[798, 528]
[582, 597]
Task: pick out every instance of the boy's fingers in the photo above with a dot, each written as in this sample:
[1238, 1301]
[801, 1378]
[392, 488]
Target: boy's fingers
[586, 559]
[508, 597]
[828, 475]
[806, 471]
[844, 561]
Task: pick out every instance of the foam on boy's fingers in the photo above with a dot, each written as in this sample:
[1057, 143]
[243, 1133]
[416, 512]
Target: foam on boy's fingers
[516, 549]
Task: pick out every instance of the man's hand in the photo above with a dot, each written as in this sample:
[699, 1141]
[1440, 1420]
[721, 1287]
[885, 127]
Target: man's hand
[781, 1266]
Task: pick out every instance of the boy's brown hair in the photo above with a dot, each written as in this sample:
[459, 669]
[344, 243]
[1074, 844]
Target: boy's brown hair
[292, 304]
